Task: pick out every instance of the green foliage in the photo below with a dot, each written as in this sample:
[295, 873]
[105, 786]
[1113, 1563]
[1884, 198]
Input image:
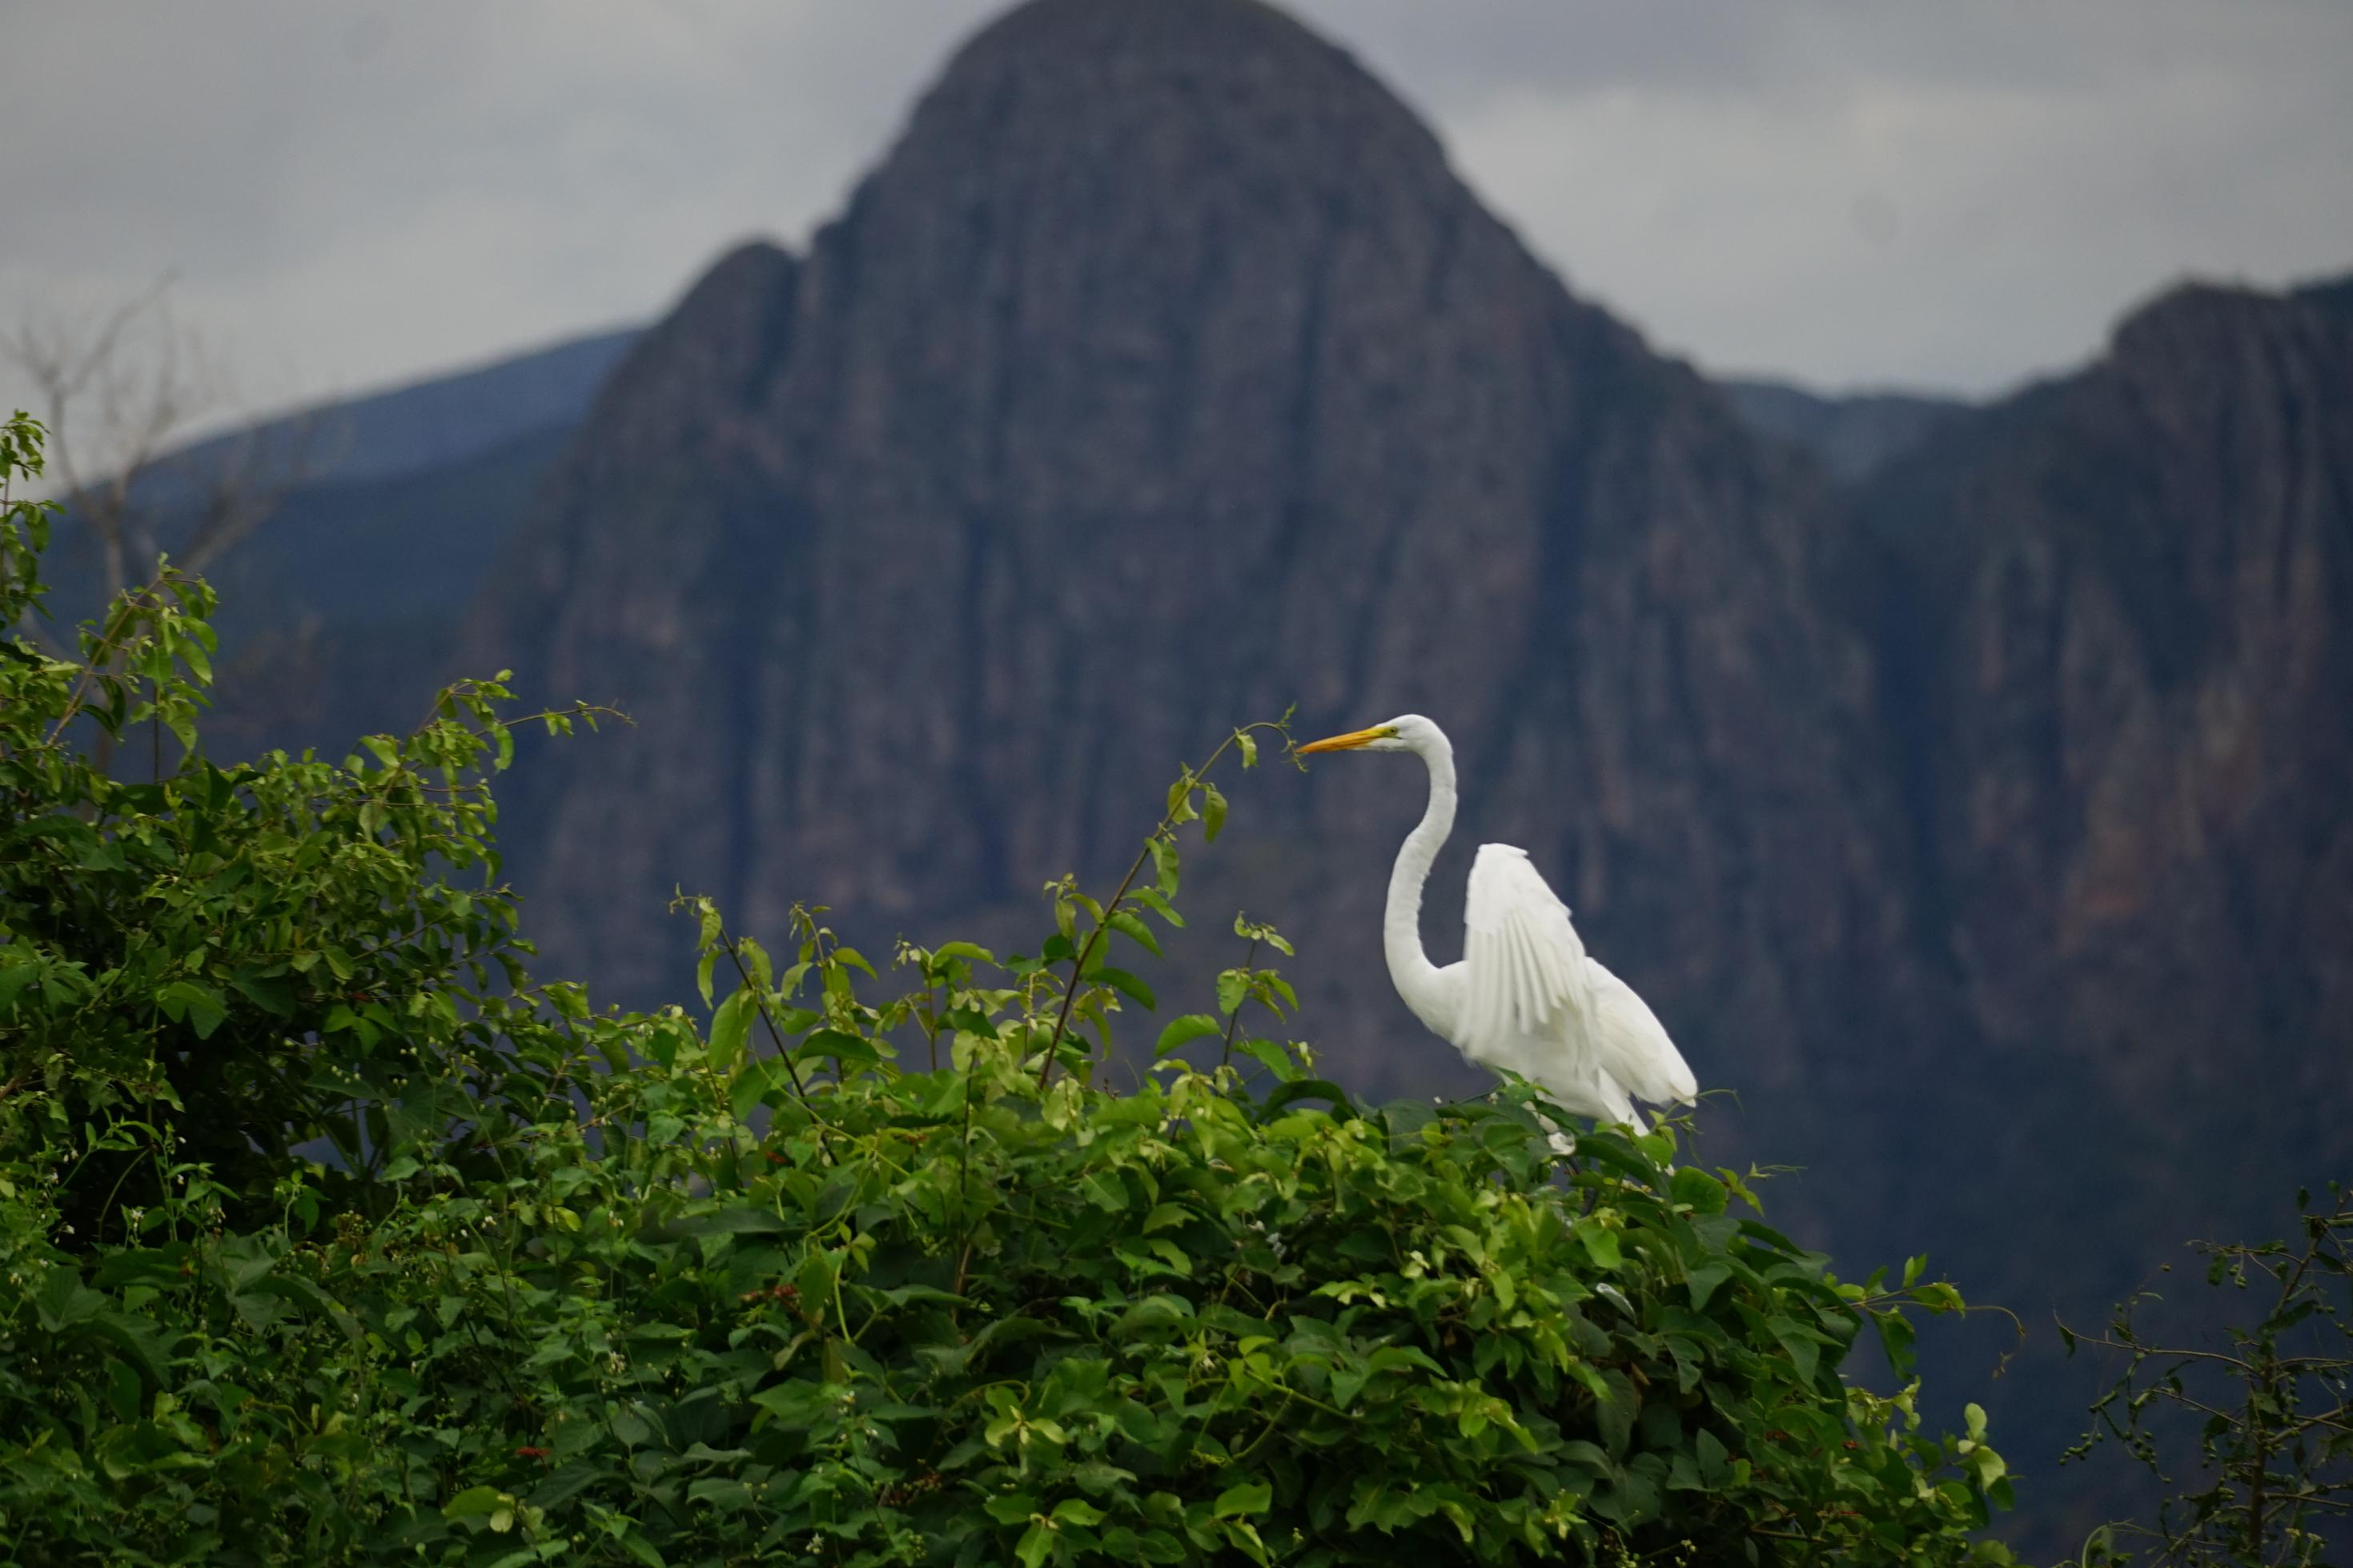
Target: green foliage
[260, 955]
[2268, 1412]
[827, 1273]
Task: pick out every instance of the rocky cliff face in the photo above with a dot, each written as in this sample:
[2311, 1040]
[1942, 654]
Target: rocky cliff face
[1164, 375]
[2137, 675]
[2116, 659]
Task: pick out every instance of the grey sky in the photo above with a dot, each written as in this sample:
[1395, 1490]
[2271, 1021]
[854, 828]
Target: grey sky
[1952, 195]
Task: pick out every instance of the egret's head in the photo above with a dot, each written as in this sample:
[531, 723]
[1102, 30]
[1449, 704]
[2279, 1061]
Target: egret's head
[1406, 732]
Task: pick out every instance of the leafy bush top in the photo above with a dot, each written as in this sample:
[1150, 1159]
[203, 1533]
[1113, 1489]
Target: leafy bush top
[827, 1277]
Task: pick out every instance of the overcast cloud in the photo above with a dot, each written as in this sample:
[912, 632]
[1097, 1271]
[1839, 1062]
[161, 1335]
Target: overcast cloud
[1952, 195]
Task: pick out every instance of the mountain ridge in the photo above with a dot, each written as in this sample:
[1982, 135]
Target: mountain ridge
[432, 419]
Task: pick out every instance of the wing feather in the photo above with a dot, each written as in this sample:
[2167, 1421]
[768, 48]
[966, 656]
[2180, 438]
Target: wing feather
[1523, 967]
[1633, 1044]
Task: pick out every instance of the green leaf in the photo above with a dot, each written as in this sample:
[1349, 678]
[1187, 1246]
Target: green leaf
[1705, 1279]
[729, 1026]
[1164, 866]
[1615, 1414]
[1233, 989]
[1126, 923]
[269, 992]
[64, 1301]
[14, 978]
[1272, 1057]
[1804, 1353]
[753, 1086]
[474, 1502]
[1600, 1244]
[1248, 744]
[1151, 899]
[199, 1005]
[1128, 986]
[1243, 1498]
[832, 1044]
[1213, 813]
[1703, 1191]
[1895, 1336]
[1035, 1543]
[138, 1341]
[1077, 1511]
[723, 1493]
[1308, 1089]
[1184, 1030]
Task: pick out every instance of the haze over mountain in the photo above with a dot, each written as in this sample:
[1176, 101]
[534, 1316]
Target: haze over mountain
[1980, 820]
[1852, 435]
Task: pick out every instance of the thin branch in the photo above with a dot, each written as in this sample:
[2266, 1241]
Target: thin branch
[1234, 1021]
[784, 1052]
[1167, 828]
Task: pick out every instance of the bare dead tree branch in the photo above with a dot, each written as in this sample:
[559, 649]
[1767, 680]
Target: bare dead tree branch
[119, 395]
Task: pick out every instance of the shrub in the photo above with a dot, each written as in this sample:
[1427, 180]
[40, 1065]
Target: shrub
[823, 1276]
[2264, 1411]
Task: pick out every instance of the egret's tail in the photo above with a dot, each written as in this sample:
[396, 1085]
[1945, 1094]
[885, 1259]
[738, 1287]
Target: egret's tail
[1633, 1045]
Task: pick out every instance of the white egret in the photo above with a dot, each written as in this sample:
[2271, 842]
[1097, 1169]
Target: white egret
[1525, 995]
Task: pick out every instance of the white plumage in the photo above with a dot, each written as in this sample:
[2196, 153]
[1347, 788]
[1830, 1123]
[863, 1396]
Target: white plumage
[1527, 995]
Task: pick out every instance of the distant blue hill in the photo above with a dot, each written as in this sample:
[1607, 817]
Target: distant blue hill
[1853, 435]
[446, 418]
[340, 609]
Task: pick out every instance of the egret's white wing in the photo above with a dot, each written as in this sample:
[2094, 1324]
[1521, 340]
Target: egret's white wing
[1633, 1045]
[1524, 969]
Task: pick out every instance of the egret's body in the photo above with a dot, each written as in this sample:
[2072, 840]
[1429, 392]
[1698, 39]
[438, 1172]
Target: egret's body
[1525, 995]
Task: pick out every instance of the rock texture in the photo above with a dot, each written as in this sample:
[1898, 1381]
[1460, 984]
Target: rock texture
[2115, 656]
[1164, 375]
[2136, 670]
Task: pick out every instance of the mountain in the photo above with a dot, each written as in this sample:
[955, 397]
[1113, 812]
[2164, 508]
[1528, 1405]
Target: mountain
[437, 420]
[2117, 651]
[339, 613]
[1853, 435]
[2131, 660]
[1163, 374]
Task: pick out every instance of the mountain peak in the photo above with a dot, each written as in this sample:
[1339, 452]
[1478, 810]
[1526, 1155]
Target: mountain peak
[1113, 99]
[2198, 317]
[1114, 44]
[1164, 29]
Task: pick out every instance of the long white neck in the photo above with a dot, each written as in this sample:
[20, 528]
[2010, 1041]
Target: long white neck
[1415, 976]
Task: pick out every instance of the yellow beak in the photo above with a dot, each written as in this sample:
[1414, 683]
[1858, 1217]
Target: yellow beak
[1349, 741]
